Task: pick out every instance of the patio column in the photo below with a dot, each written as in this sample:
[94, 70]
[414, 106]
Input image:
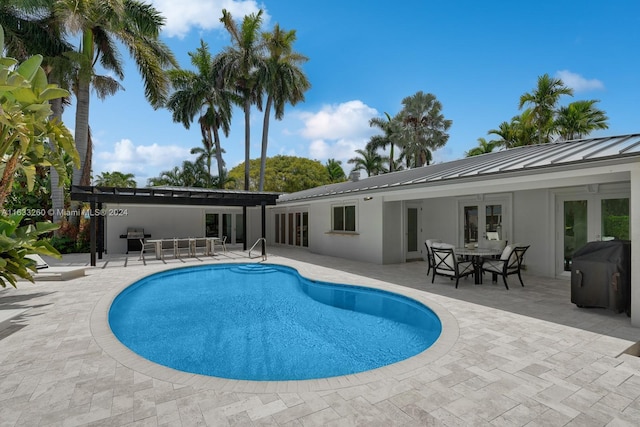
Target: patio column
[634, 215]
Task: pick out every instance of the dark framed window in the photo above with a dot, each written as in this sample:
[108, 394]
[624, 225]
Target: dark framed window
[344, 218]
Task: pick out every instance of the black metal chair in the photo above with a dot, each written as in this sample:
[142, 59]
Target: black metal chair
[446, 263]
[510, 262]
[430, 263]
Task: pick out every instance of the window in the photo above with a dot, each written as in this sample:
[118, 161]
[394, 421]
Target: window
[344, 218]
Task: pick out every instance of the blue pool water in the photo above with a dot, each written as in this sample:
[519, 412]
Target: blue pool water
[266, 322]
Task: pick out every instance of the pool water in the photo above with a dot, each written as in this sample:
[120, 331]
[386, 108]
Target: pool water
[266, 322]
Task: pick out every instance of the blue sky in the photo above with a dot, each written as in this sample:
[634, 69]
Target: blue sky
[365, 57]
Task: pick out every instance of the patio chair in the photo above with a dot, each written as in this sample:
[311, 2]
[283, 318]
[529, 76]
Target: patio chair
[168, 245]
[428, 243]
[222, 242]
[510, 262]
[200, 243]
[146, 247]
[182, 244]
[446, 263]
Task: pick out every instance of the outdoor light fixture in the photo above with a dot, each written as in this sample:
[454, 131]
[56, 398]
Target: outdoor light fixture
[366, 199]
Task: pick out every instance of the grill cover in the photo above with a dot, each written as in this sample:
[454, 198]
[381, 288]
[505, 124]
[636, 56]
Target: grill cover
[601, 275]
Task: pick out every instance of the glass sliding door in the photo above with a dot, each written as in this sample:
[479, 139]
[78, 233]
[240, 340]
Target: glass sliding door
[575, 228]
[239, 235]
[305, 229]
[614, 219]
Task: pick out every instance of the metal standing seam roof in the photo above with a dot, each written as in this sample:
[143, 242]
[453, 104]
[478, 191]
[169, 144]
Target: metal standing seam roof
[530, 157]
[167, 195]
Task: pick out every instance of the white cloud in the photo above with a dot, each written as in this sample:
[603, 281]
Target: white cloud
[579, 83]
[336, 131]
[183, 15]
[143, 161]
[347, 120]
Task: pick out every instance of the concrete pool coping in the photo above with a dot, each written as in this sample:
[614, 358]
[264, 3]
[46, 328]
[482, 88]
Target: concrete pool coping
[101, 331]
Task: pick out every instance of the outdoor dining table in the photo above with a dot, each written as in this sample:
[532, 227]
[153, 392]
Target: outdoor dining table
[476, 255]
[209, 248]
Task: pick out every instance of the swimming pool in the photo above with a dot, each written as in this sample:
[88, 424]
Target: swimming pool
[266, 322]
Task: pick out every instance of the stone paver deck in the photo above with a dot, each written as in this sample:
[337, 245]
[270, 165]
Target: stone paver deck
[522, 357]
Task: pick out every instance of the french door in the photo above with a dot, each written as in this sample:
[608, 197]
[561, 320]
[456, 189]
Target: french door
[292, 228]
[587, 218]
[481, 221]
[224, 224]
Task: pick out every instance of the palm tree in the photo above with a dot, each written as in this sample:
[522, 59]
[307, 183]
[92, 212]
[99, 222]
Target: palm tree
[335, 171]
[579, 119]
[102, 25]
[191, 174]
[205, 154]
[544, 100]
[367, 160]
[116, 179]
[283, 81]
[424, 127]
[202, 92]
[171, 177]
[240, 66]
[392, 135]
[483, 147]
[519, 131]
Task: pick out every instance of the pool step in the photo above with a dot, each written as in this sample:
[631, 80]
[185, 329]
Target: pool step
[253, 269]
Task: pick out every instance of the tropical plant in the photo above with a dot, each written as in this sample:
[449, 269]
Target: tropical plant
[483, 147]
[116, 179]
[424, 127]
[202, 92]
[392, 128]
[240, 67]
[578, 119]
[16, 242]
[518, 132]
[368, 160]
[285, 174]
[190, 174]
[544, 99]
[28, 138]
[282, 80]
[334, 168]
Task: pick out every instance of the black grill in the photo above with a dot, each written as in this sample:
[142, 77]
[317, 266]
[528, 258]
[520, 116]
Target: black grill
[133, 236]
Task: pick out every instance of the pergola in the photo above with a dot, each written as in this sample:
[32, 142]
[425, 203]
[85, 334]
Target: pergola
[181, 196]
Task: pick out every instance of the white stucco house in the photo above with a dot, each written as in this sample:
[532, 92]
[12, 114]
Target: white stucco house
[554, 197]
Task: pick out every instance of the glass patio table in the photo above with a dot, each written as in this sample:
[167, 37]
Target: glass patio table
[476, 255]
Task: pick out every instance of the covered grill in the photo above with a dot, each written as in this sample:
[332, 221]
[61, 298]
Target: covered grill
[601, 275]
[133, 236]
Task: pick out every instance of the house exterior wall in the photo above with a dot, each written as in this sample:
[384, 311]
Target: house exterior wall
[166, 221]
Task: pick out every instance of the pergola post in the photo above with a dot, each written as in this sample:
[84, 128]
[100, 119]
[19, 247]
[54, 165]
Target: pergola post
[92, 232]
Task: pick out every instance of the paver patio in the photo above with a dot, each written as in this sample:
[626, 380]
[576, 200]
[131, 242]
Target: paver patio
[522, 357]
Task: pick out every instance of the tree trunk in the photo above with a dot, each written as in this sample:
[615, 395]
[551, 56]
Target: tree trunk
[265, 141]
[82, 139]
[216, 142]
[7, 177]
[247, 139]
[57, 188]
